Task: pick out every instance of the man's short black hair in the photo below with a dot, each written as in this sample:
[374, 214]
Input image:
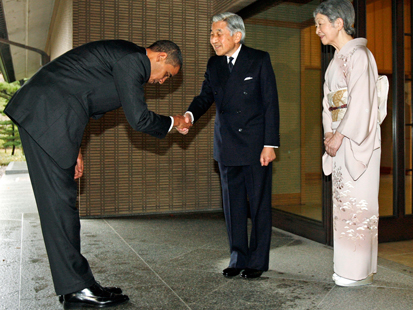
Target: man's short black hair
[169, 47]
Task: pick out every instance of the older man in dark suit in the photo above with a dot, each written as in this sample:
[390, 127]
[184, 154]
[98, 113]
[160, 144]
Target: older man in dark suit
[241, 82]
[52, 110]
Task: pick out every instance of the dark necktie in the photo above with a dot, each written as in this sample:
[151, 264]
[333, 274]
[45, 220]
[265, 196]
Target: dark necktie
[230, 64]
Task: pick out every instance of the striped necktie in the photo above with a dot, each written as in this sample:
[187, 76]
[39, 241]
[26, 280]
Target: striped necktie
[230, 64]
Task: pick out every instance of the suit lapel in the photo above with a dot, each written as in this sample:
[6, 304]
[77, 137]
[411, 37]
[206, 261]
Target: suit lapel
[223, 72]
[236, 78]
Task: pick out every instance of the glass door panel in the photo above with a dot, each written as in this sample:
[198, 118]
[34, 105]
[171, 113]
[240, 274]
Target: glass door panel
[287, 32]
[379, 38]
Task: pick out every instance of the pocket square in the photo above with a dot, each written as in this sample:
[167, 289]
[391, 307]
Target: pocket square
[248, 78]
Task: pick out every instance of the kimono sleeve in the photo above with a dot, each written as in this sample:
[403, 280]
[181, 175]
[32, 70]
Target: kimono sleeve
[359, 124]
[360, 120]
[326, 115]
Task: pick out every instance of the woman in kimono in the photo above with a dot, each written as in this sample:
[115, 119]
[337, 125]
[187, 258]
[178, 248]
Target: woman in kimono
[352, 143]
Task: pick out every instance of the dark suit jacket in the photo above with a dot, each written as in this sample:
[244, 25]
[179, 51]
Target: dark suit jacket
[55, 105]
[247, 113]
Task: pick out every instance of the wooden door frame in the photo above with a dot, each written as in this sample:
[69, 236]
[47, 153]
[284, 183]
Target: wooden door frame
[300, 225]
[391, 228]
[399, 226]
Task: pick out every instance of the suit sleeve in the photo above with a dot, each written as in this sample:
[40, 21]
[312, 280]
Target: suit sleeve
[129, 75]
[204, 100]
[270, 101]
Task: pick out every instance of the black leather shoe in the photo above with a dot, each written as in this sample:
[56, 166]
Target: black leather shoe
[231, 272]
[94, 296]
[251, 273]
[110, 289]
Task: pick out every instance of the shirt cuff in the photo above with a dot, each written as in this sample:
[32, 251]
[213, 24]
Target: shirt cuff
[192, 116]
[275, 147]
[172, 124]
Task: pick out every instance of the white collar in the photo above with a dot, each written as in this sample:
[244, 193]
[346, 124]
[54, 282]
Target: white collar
[235, 55]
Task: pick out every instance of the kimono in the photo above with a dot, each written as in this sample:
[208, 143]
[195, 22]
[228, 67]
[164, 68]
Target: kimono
[350, 106]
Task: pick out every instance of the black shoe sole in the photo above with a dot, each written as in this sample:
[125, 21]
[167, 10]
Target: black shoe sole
[251, 276]
[74, 305]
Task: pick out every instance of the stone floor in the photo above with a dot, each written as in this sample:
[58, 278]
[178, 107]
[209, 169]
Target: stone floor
[175, 262]
[2, 170]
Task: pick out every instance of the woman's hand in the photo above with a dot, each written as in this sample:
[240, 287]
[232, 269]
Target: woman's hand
[332, 142]
[328, 136]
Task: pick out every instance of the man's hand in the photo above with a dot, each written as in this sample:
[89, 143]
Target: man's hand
[332, 142]
[182, 123]
[79, 166]
[267, 156]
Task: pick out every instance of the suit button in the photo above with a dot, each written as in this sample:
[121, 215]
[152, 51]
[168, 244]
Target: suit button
[245, 93]
[238, 111]
[222, 112]
[216, 93]
[240, 129]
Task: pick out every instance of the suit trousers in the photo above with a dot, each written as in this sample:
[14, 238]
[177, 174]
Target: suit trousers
[55, 191]
[246, 187]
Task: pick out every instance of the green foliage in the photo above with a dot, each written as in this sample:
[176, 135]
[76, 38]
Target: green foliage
[9, 134]
[7, 90]
[6, 157]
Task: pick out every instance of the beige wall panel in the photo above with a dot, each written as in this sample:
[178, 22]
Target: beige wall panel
[234, 6]
[132, 173]
[60, 38]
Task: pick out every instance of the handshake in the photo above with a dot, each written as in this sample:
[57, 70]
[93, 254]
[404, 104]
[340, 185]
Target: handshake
[182, 123]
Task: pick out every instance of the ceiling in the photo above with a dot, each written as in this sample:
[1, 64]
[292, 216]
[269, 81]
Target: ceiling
[26, 22]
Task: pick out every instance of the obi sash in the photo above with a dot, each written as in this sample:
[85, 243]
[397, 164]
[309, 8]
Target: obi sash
[337, 101]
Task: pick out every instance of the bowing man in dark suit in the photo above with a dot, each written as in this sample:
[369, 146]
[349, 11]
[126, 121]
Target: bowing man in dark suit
[241, 82]
[52, 110]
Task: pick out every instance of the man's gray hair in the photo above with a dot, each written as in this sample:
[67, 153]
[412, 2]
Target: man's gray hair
[334, 9]
[234, 23]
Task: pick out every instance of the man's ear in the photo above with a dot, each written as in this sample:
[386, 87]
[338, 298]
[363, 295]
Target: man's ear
[238, 36]
[161, 56]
